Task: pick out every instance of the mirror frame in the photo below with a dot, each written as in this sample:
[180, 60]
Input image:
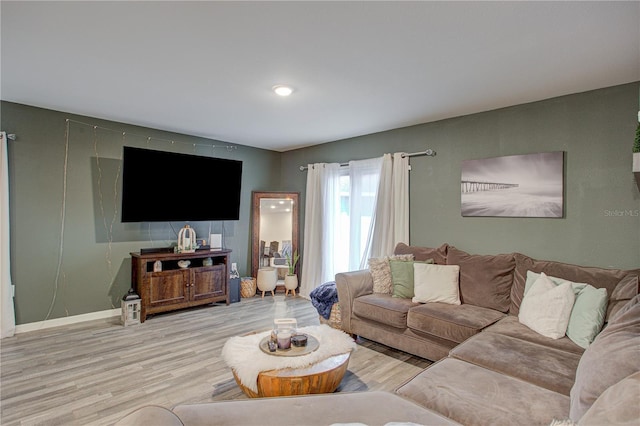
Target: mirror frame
[256, 197]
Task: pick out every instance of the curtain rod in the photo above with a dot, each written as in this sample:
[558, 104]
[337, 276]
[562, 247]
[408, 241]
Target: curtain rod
[428, 152]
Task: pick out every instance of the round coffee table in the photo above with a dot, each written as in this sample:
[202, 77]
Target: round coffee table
[322, 377]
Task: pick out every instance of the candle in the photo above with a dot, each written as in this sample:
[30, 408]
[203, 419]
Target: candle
[284, 340]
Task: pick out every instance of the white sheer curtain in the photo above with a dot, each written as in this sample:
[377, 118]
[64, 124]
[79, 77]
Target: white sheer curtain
[391, 225]
[7, 314]
[339, 212]
[364, 179]
[351, 214]
[322, 207]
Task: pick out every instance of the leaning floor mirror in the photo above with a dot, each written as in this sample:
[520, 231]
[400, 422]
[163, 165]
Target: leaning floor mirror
[274, 231]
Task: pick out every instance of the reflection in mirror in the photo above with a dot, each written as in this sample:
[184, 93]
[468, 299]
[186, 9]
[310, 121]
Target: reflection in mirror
[275, 231]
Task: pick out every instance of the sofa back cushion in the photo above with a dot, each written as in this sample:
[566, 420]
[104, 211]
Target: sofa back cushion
[618, 405]
[611, 357]
[485, 280]
[439, 255]
[597, 277]
[627, 289]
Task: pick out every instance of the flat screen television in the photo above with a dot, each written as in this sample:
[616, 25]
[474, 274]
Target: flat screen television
[160, 186]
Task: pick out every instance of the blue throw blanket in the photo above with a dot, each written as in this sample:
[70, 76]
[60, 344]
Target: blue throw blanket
[323, 297]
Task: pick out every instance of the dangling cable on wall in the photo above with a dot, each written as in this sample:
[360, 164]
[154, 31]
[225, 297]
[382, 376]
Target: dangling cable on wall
[63, 213]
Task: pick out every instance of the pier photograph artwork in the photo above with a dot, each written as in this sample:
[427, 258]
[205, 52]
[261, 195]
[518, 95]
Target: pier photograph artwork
[528, 185]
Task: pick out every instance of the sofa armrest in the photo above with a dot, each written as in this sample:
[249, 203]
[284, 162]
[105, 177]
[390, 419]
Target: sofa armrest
[351, 285]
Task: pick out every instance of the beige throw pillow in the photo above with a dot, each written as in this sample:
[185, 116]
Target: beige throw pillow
[546, 308]
[436, 283]
[381, 272]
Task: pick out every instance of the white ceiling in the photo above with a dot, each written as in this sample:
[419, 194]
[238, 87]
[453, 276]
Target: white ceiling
[206, 68]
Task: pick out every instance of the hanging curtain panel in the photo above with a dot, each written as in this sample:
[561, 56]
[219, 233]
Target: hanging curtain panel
[392, 208]
[364, 179]
[7, 313]
[400, 198]
[353, 213]
[321, 207]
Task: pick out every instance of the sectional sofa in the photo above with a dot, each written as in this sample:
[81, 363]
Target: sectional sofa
[490, 369]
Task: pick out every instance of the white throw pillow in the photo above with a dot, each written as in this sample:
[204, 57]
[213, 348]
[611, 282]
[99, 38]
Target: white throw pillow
[436, 283]
[546, 308]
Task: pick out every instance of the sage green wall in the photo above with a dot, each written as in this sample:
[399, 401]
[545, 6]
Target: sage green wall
[94, 265]
[595, 129]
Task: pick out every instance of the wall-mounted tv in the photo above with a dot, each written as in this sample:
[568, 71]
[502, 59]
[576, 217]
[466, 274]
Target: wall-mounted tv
[160, 186]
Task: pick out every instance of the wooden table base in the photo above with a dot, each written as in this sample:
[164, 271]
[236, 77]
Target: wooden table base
[322, 377]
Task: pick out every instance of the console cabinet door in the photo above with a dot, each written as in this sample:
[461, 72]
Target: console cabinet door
[168, 288]
[209, 282]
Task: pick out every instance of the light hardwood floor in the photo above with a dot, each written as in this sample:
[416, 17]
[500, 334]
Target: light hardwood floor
[93, 373]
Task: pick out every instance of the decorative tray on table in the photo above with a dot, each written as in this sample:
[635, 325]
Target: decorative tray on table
[312, 345]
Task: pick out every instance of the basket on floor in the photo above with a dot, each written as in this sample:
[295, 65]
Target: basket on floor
[335, 318]
[248, 287]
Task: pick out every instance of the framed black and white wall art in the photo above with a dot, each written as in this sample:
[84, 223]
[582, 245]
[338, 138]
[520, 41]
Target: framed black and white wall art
[528, 185]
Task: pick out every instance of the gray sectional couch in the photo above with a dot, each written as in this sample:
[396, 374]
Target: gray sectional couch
[490, 369]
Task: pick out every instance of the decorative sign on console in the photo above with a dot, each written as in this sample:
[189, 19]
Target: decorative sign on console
[187, 240]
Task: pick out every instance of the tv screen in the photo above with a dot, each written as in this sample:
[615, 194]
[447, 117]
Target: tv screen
[160, 186]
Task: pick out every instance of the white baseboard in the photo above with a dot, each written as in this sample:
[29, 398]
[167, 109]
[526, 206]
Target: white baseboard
[41, 325]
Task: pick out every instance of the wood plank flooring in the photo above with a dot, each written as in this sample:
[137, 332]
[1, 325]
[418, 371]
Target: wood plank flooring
[94, 373]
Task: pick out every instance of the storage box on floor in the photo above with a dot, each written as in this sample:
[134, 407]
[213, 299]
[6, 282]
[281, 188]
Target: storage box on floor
[234, 290]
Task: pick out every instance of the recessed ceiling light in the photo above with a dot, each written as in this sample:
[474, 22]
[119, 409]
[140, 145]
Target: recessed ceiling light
[282, 90]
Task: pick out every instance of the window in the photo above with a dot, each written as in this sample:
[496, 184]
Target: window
[357, 187]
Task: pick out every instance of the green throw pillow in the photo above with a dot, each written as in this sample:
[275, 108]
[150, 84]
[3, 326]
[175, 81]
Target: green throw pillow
[402, 277]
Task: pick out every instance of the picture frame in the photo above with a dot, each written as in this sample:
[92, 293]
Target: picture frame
[526, 185]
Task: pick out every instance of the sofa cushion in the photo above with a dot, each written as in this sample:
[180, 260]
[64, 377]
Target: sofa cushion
[510, 326]
[436, 283]
[546, 308]
[451, 322]
[625, 290]
[439, 254]
[618, 405]
[485, 280]
[383, 308]
[150, 415]
[597, 277]
[370, 408]
[613, 355]
[473, 395]
[541, 365]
